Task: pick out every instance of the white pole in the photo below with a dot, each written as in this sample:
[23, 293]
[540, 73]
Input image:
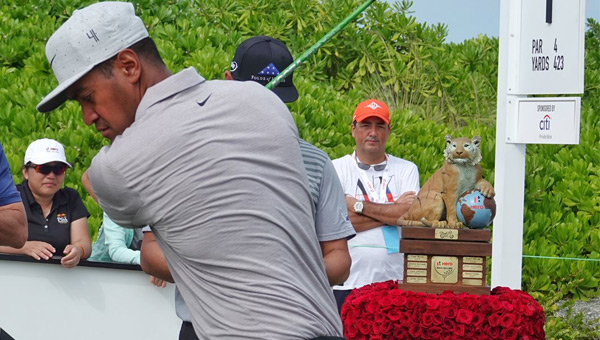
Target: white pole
[509, 183]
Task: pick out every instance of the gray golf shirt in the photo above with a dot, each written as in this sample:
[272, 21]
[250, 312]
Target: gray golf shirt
[215, 168]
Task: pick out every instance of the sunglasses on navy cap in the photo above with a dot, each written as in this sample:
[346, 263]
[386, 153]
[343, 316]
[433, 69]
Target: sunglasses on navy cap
[45, 169]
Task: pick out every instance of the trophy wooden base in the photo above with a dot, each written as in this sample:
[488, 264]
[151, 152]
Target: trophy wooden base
[437, 259]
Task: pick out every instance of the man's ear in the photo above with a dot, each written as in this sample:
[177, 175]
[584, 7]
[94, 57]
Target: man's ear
[228, 75]
[128, 64]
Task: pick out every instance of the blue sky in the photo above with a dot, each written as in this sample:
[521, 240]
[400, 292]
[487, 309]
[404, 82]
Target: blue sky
[468, 18]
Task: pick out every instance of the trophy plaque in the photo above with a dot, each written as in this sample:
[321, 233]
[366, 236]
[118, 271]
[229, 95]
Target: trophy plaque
[438, 259]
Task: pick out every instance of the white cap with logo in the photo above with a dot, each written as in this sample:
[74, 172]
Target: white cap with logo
[44, 151]
[89, 37]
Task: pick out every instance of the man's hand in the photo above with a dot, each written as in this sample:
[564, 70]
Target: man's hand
[158, 282]
[407, 198]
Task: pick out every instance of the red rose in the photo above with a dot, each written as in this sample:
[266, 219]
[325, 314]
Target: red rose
[495, 304]
[415, 331]
[469, 331]
[450, 312]
[509, 334]
[507, 306]
[464, 316]
[405, 319]
[529, 310]
[376, 329]
[386, 327]
[459, 330]
[478, 320]
[394, 315]
[448, 324]
[493, 332]
[432, 303]
[411, 302]
[518, 319]
[385, 302]
[427, 319]
[399, 300]
[363, 326]
[445, 302]
[415, 317]
[397, 292]
[434, 332]
[400, 334]
[445, 335]
[351, 330]
[507, 320]
[372, 306]
[447, 294]
[438, 318]
[494, 320]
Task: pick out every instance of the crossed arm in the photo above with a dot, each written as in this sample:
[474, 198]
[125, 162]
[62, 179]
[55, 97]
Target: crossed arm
[376, 214]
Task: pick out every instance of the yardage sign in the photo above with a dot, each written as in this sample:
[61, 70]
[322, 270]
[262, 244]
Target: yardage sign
[547, 38]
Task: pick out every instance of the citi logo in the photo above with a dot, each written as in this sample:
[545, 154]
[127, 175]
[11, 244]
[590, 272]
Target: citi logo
[545, 123]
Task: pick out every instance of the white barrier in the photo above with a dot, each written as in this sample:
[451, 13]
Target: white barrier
[47, 301]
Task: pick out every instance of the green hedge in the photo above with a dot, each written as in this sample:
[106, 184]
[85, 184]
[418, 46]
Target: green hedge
[433, 88]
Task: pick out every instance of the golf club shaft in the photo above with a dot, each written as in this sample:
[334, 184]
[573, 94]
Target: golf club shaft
[317, 45]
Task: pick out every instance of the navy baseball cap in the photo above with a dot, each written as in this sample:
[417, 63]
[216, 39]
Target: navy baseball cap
[261, 59]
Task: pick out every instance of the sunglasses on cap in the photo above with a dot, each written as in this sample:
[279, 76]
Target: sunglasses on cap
[45, 169]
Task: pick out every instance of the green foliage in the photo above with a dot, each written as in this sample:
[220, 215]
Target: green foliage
[433, 88]
[573, 327]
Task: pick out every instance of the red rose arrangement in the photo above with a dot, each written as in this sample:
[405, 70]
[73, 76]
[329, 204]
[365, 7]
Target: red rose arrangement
[383, 311]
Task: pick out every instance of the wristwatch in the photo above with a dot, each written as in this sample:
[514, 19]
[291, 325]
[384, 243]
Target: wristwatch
[358, 207]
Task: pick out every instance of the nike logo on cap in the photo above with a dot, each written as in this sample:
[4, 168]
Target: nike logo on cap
[52, 60]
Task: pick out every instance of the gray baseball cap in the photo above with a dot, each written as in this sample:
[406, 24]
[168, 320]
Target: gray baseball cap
[90, 36]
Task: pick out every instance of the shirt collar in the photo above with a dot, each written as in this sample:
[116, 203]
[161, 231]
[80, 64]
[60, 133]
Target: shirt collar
[172, 85]
[356, 160]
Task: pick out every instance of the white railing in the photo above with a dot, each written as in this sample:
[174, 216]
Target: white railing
[92, 301]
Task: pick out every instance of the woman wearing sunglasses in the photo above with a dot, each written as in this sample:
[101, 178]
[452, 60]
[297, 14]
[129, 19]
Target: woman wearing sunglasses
[56, 216]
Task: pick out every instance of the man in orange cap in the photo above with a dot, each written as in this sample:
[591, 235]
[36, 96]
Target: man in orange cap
[379, 189]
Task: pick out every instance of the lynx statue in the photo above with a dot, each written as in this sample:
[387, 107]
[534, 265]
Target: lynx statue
[435, 205]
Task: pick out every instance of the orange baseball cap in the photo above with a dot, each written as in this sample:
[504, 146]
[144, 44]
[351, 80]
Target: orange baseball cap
[371, 108]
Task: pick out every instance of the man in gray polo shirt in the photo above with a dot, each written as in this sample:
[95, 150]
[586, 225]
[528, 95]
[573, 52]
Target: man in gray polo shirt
[213, 166]
[260, 59]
